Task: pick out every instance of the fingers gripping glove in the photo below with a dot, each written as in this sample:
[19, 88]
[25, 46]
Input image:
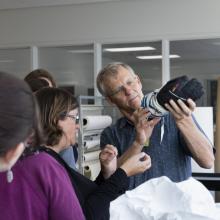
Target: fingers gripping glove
[180, 88]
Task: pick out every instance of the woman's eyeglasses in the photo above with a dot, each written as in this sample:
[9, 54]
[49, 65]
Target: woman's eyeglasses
[74, 117]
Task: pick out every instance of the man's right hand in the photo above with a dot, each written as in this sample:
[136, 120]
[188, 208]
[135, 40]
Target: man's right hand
[136, 164]
[144, 128]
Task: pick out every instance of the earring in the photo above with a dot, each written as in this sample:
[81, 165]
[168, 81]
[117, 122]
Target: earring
[9, 176]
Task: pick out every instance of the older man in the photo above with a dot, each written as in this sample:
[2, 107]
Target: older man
[170, 142]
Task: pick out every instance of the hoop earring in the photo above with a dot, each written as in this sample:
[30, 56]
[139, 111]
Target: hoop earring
[9, 176]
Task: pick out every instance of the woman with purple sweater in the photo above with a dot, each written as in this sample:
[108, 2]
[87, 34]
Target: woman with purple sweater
[60, 122]
[33, 185]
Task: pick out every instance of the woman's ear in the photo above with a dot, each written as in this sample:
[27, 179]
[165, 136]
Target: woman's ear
[11, 157]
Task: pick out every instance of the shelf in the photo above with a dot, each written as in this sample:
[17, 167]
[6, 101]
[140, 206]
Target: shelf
[99, 107]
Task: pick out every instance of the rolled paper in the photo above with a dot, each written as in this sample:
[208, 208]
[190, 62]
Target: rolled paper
[96, 122]
[91, 143]
[91, 156]
[95, 168]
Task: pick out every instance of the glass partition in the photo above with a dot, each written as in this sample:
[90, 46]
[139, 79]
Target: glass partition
[198, 59]
[142, 57]
[15, 61]
[72, 67]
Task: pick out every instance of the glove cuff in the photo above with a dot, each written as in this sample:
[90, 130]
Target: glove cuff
[150, 102]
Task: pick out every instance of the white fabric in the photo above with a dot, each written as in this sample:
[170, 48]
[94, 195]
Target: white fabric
[162, 199]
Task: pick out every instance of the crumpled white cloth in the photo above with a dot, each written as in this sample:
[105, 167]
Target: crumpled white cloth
[162, 199]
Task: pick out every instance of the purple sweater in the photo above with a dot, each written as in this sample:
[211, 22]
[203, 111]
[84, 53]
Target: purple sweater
[41, 190]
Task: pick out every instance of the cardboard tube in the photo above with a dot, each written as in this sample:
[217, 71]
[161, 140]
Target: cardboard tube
[87, 172]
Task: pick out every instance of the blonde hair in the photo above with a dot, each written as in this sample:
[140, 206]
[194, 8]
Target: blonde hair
[110, 70]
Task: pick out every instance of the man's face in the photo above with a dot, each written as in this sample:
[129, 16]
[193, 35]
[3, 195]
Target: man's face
[124, 90]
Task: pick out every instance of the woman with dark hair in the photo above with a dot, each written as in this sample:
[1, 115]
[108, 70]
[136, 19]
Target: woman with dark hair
[41, 74]
[38, 79]
[27, 186]
[59, 117]
[37, 84]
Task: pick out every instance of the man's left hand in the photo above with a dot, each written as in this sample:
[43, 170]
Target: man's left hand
[180, 110]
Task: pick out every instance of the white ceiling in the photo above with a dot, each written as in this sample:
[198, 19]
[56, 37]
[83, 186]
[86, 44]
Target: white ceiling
[197, 56]
[13, 4]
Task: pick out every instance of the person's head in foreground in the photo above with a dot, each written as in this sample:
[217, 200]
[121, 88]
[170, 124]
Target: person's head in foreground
[30, 175]
[18, 119]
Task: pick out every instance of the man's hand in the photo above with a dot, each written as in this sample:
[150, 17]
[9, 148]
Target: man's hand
[197, 143]
[108, 160]
[180, 110]
[143, 127]
[180, 88]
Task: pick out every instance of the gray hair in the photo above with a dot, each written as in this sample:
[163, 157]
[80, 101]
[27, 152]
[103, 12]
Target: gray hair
[110, 70]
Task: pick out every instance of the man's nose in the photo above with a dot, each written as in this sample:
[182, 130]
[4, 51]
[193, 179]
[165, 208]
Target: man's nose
[127, 89]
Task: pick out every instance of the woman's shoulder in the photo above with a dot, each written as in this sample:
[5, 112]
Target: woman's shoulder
[40, 161]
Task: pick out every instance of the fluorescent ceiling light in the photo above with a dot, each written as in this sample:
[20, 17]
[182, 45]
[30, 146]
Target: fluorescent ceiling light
[127, 49]
[156, 57]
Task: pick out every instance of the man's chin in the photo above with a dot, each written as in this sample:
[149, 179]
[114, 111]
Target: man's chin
[135, 102]
[135, 105]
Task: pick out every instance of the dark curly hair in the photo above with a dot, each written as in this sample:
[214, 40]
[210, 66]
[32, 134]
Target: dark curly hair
[40, 74]
[37, 84]
[53, 104]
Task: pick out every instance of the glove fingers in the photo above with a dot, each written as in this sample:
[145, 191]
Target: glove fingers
[179, 88]
[193, 89]
[174, 84]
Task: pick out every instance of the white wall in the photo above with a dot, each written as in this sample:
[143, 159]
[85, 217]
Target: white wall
[110, 22]
[204, 116]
